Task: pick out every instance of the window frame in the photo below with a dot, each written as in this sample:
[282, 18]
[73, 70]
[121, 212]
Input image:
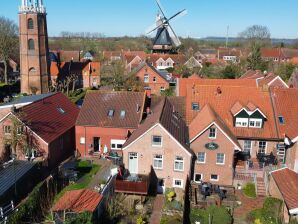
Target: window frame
[195, 105]
[214, 175]
[177, 186]
[157, 159]
[204, 158]
[255, 120]
[7, 129]
[215, 133]
[30, 24]
[179, 161]
[194, 178]
[265, 147]
[156, 145]
[245, 141]
[31, 45]
[146, 78]
[224, 158]
[116, 142]
[241, 121]
[82, 140]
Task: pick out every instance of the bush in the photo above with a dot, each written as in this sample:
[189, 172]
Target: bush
[249, 190]
[218, 215]
[171, 196]
[85, 218]
[270, 213]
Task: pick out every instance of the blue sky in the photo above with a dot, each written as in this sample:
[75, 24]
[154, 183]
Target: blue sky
[133, 17]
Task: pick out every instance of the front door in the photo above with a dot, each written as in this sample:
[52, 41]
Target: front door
[133, 163]
[96, 143]
[161, 186]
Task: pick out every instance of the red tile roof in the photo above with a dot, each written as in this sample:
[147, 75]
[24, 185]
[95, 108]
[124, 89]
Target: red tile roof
[78, 201]
[285, 103]
[204, 119]
[97, 104]
[224, 100]
[45, 118]
[271, 53]
[251, 74]
[287, 183]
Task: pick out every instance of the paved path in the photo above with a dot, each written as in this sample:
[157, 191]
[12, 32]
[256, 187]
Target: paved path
[157, 209]
[103, 173]
[248, 204]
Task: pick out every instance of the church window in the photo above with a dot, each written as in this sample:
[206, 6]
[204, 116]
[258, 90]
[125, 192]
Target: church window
[30, 24]
[31, 44]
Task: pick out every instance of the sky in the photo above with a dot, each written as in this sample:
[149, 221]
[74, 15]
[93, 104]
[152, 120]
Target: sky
[133, 17]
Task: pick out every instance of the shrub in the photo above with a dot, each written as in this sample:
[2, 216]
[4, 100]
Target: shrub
[270, 213]
[218, 215]
[140, 220]
[171, 196]
[249, 190]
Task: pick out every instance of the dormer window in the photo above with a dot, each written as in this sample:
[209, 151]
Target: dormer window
[255, 123]
[241, 122]
[111, 113]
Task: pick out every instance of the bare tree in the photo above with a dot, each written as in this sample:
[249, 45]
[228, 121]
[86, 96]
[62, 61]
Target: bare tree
[256, 34]
[8, 42]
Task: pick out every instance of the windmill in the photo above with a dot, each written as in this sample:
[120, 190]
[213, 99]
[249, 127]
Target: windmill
[166, 40]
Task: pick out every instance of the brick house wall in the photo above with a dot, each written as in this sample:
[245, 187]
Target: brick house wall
[154, 86]
[271, 147]
[169, 150]
[292, 157]
[225, 172]
[105, 134]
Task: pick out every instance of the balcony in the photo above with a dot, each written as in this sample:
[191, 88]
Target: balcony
[133, 184]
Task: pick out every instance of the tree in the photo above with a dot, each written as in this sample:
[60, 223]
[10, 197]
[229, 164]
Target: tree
[231, 71]
[182, 70]
[255, 61]
[168, 92]
[285, 71]
[133, 83]
[8, 42]
[256, 34]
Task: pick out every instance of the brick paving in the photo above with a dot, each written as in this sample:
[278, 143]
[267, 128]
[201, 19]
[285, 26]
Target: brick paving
[248, 204]
[157, 209]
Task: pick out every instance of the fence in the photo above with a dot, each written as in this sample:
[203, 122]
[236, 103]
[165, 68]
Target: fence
[5, 212]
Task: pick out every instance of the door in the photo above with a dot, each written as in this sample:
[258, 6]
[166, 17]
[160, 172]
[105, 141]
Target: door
[161, 186]
[133, 163]
[96, 143]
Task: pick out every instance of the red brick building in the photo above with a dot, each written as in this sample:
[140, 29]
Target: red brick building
[154, 80]
[48, 126]
[106, 120]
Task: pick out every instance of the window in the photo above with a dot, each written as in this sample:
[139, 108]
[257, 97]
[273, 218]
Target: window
[255, 123]
[179, 164]
[7, 129]
[20, 130]
[157, 162]
[162, 88]
[146, 78]
[30, 24]
[220, 158]
[31, 44]
[214, 177]
[117, 144]
[178, 183]
[111, 113]
[201, 157]
[241, 122]
[247, 146]
[154, 79]
[198, 177]
[262, 147]
[281, 119]
[156, 140]
[82, 141]
[60, 110]
[212, 132]
[122, 113]
[195, 106]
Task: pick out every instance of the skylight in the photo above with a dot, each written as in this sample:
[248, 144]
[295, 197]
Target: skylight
[60, 110]
[111, 113]
[281, 119]
[122, 113]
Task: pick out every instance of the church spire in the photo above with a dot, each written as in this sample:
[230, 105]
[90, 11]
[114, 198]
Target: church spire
[32, 6]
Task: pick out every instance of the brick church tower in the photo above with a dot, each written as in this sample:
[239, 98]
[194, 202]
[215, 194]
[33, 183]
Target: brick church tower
[34, 50]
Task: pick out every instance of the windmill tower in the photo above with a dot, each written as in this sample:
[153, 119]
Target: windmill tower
[34, 50]
[166, 40]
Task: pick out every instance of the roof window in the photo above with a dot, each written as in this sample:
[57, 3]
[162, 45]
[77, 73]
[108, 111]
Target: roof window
[122, 113]
[60, 110]
[281, 119]
[111, 113]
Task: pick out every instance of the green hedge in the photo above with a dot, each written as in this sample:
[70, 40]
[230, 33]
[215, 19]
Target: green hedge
[249, 190]
[218, 215]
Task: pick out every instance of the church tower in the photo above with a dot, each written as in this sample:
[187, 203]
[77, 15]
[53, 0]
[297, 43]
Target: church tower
[34, 50]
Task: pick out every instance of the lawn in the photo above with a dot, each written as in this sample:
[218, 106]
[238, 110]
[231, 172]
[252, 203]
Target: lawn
[86, 173]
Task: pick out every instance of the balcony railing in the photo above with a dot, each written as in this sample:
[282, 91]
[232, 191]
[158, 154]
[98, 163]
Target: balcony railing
[133, 185]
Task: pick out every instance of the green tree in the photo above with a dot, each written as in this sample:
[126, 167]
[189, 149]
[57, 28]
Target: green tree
[255, 61]
[231, 71]
[182, 70]
[81, 218]
[168, 92]
[285, 71]
[8, 43]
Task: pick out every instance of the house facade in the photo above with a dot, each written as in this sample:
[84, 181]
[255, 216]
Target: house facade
[160, 143]
[106, 120]
[43, 130]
